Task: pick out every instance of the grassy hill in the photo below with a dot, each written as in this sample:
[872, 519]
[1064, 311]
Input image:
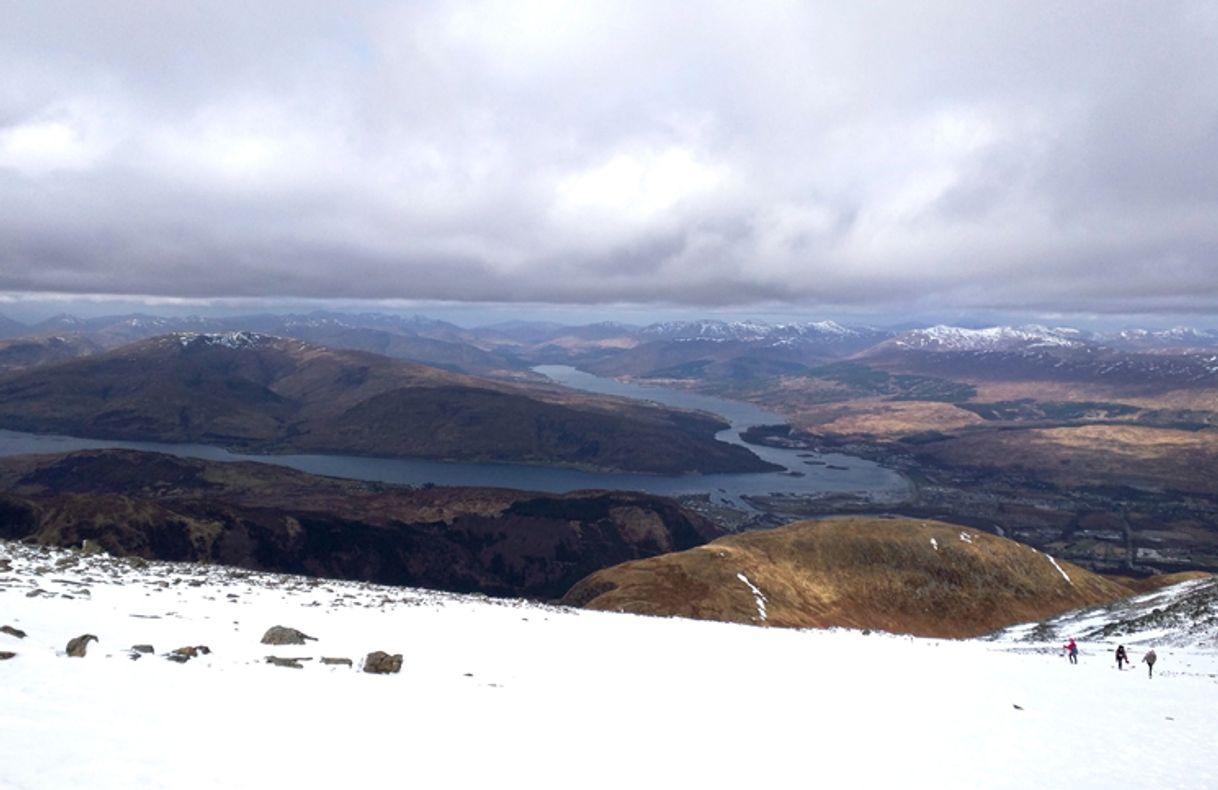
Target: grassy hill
[909, 576]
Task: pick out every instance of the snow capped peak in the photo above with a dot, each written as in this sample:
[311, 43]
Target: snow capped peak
[221, 339]
[749, 331]
[708, 329]
[996, 338]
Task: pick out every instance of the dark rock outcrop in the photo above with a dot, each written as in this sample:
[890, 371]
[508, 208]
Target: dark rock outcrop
[267, 518]
[11, 631]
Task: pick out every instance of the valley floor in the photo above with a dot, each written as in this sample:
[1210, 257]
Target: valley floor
[514, 694]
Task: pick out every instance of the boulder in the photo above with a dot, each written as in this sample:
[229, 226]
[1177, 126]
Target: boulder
[142, 649]
[5, 655]
[381, 663]
[77, 646]
[291, 663]
[184, 654]
[11, 631]
[282, 635]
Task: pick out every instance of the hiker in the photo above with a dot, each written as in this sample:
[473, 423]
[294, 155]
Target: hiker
[1149, 660]
[1121, 656]
[1071, 650]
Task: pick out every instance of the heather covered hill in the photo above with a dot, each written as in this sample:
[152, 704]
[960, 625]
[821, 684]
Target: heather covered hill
[27, 352]
[273, 394]
[909, 576]
[264, 517]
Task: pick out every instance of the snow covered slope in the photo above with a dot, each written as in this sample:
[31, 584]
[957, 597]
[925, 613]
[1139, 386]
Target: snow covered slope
[512, 694]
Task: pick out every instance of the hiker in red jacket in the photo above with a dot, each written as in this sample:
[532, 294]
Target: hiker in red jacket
[1071, 650]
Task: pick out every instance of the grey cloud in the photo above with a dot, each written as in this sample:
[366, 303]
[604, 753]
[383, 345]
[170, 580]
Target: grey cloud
[995, 155]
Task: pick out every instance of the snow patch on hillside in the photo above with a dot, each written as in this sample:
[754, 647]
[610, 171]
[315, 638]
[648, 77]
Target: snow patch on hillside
[1059, 569]
[995, 338]
[758, 596]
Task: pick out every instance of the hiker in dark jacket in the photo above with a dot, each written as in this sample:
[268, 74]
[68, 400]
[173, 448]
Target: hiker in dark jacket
[1149, 660]
[1121, 656]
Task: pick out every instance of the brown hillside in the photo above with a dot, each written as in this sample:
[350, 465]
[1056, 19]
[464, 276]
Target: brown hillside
[926, 578]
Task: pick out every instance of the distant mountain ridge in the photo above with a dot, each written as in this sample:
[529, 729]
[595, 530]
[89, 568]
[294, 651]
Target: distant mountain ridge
[718, 353]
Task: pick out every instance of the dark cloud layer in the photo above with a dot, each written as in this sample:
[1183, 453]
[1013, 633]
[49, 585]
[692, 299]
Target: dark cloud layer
[1022, 155]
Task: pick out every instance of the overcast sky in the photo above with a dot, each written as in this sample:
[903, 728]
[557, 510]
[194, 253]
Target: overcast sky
[886, 156]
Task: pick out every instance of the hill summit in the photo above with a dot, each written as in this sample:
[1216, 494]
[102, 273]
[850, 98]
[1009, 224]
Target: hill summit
[926, 578]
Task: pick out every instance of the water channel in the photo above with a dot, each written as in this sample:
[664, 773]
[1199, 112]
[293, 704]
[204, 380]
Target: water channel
[805, 474]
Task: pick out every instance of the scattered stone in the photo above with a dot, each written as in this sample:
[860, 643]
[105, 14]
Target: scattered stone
[184, 654]
[282, 635]
[336, 661]
[36, 592]
[142, 649]
[6, 565]
[379, 662]
[11, 631]
[5, 655]
[77, 646]
[291, 663]
[90, 547]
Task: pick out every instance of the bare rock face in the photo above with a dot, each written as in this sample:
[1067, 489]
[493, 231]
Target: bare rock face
[381, 663]
[282, 635]
[11, 631]
[5, 655]
[77, 646]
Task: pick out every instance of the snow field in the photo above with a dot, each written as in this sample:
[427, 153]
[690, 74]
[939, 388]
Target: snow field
[519, 694]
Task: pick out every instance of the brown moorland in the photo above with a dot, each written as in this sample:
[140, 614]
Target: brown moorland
[910, 576]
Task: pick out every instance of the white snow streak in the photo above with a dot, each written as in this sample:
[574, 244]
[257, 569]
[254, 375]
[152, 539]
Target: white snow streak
[1059, 569]
[758, 595]
[967, 538]
[934, 543]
